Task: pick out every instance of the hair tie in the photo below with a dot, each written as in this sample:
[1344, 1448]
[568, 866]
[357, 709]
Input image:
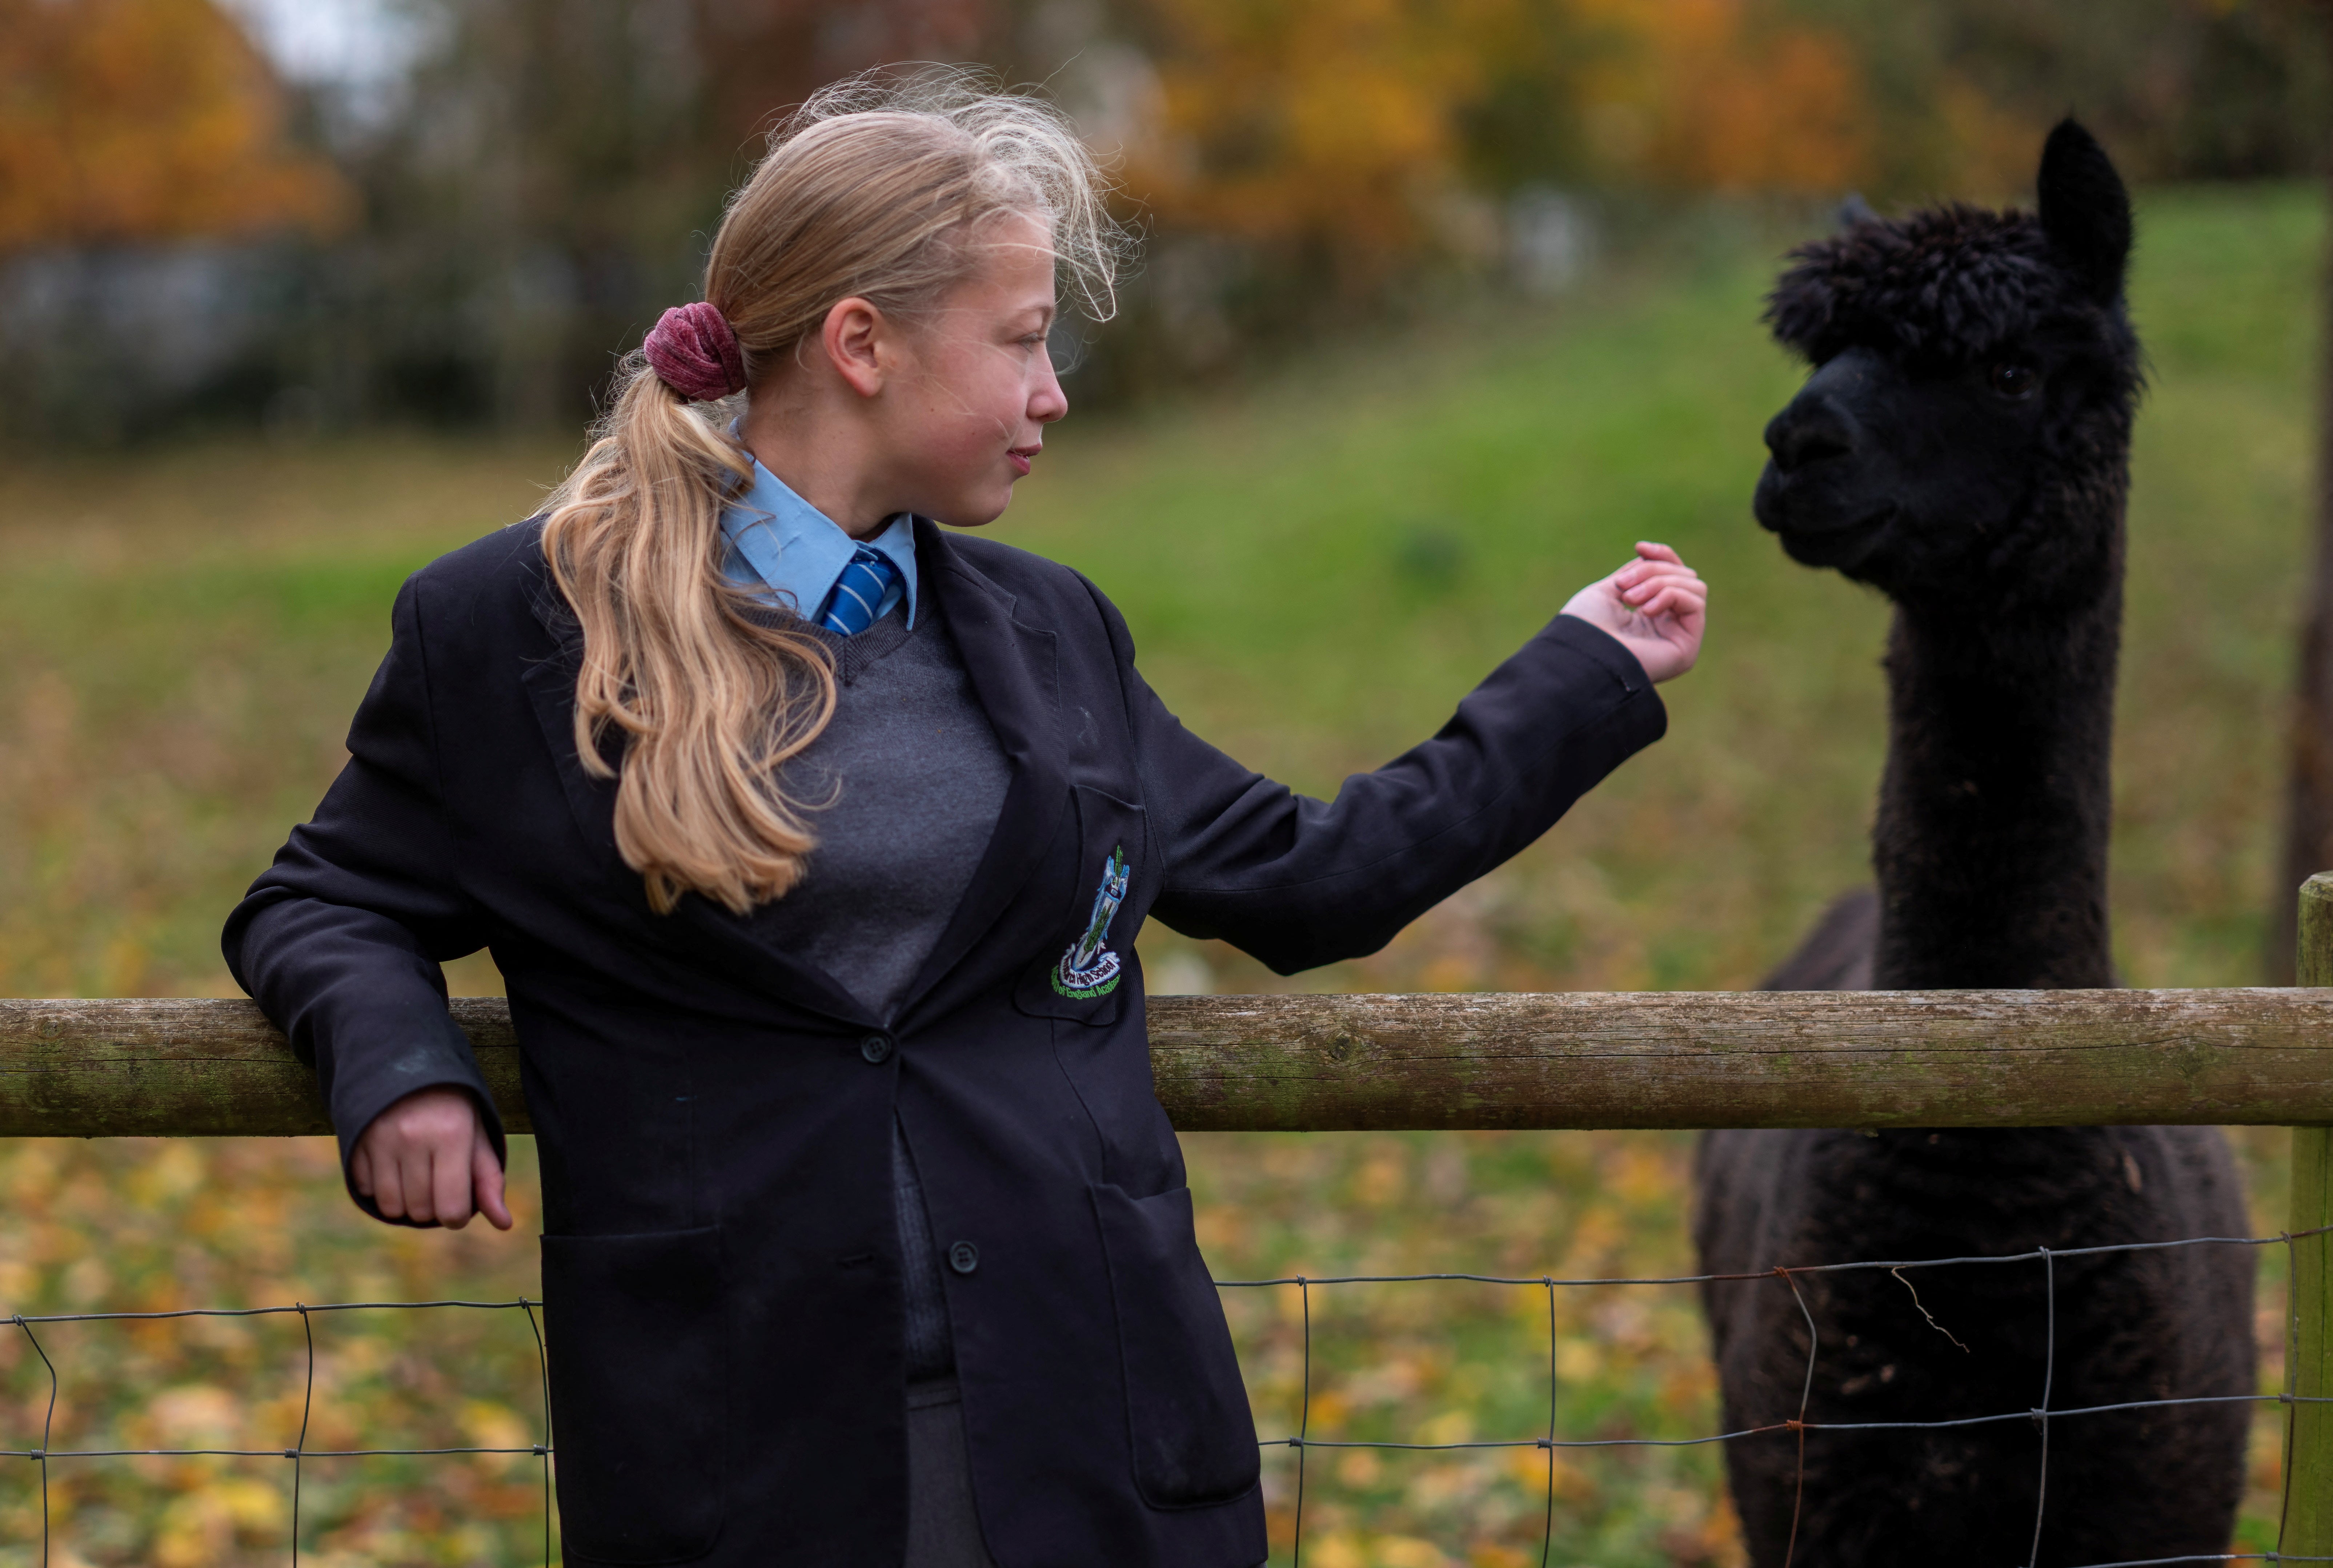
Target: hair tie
[693, 352]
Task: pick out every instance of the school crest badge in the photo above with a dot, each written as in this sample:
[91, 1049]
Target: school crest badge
[1089, 969]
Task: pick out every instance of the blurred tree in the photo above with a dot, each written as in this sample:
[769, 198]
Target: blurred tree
[761, 56]
[541, 181]
[130, 120]
[1325, 127]
[1725, 95]
[1351, 130]
[2309, 820]
[2178, 89]
[1308, 160]
[550, 185]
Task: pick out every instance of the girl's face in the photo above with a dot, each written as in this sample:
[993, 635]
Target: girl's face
[979, 389]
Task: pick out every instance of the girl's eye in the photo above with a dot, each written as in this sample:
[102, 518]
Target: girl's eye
[2012, 379]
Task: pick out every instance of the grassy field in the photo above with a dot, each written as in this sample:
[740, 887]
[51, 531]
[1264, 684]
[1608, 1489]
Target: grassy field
[1315, 566]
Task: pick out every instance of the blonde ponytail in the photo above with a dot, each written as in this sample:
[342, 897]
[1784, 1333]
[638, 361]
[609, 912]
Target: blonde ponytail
[872, 189]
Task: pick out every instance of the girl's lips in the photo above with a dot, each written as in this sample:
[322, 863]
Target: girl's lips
[1021, 456]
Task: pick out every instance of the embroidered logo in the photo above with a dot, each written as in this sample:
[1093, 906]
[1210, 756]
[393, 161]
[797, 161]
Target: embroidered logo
[1089, 969]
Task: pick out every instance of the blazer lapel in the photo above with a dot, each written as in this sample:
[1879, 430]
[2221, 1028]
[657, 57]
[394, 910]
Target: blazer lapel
[1013, 672]
[698, 933]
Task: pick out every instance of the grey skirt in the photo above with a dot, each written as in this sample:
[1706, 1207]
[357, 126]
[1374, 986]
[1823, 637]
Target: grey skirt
[943, 1528]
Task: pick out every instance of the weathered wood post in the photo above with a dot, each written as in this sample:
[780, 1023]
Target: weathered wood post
[2308, 799]
[2309, 1468]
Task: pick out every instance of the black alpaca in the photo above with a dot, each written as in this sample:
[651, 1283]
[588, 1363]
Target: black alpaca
[1963, 445]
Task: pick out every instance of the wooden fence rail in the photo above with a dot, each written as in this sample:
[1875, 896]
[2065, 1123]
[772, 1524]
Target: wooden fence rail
[1320, 1063]
[1289, 1063]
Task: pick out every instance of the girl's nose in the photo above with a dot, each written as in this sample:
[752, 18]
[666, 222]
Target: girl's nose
[1047, 401]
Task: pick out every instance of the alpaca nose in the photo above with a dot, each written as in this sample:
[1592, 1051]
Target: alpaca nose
[1811, 429]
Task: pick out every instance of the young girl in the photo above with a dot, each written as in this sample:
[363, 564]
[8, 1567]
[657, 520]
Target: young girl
[811, 841]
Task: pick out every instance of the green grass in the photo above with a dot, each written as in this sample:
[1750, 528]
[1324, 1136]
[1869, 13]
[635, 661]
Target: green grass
[1315, 566]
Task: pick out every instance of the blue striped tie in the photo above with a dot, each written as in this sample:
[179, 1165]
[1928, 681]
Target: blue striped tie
[850, 608]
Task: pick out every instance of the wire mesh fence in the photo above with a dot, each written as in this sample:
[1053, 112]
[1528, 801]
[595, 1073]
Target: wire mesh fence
[1545, 1442]
[298, 1454]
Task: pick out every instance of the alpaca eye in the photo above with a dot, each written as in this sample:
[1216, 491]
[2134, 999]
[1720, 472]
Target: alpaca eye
[2012, 379]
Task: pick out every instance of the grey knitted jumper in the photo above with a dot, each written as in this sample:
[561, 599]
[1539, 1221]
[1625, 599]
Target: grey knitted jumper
[915, 781]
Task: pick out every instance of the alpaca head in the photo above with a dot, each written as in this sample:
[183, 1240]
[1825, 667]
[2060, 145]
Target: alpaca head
[1965, 432]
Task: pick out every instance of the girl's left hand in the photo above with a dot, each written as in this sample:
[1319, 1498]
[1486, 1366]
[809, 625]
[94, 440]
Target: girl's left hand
[1655, 606]
[428, 1159]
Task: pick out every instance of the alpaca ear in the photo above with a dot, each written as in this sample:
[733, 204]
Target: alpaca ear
[1854, 210]
[2085, 210]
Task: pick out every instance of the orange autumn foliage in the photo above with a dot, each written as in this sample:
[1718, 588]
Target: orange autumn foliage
[1305, 119]
[1357, 127]
[1712, 95]
[126, 120]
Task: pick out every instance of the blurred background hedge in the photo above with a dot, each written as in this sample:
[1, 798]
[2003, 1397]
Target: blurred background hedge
[302, 215]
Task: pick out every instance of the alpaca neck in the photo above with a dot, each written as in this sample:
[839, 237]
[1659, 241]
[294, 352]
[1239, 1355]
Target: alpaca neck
[1991, 845]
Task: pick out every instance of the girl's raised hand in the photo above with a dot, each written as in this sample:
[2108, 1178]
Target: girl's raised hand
[1655, 606]
[428, 1159]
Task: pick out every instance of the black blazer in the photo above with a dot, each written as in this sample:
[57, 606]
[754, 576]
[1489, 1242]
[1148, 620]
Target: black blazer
[719, 1254]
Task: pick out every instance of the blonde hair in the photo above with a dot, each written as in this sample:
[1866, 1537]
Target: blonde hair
[875, 187]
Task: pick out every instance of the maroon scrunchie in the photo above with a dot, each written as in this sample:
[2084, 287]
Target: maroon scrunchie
[693, 352]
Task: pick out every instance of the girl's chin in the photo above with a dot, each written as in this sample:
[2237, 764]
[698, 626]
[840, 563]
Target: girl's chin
[976, 512]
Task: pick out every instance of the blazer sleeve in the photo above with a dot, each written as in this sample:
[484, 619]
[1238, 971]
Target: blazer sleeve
[341, 940]
[1298, 882]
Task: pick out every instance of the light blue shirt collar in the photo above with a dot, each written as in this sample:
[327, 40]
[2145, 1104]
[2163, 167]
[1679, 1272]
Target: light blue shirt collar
[777, 539]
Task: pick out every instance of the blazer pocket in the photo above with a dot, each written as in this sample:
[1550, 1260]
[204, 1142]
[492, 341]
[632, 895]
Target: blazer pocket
[636, 1333]
[1186, 1409]
[1087, 968]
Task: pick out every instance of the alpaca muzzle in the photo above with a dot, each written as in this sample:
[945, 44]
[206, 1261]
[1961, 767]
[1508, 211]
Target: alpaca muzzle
[1817, 492]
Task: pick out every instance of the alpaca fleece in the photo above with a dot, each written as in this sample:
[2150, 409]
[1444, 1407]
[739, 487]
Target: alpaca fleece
[1963, 443]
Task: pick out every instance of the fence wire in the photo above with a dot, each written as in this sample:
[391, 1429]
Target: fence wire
[1302, 1441]
[299, 1451]
[2042, 1414]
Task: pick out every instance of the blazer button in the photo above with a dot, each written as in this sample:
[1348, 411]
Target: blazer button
[963, 1257]
[876, 1048]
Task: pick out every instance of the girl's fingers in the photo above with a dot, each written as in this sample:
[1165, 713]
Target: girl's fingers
[415, 1169]
[420, 1167]
[388, 1188]
[1646, 572]
[1656, 605]
[449, 1186]
[486, 1181]
[426, 1159]
[1677, 597]
[1644, 594]
[1646, 590]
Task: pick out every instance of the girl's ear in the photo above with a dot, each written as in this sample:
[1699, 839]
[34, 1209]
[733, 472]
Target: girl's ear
[855, 337]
